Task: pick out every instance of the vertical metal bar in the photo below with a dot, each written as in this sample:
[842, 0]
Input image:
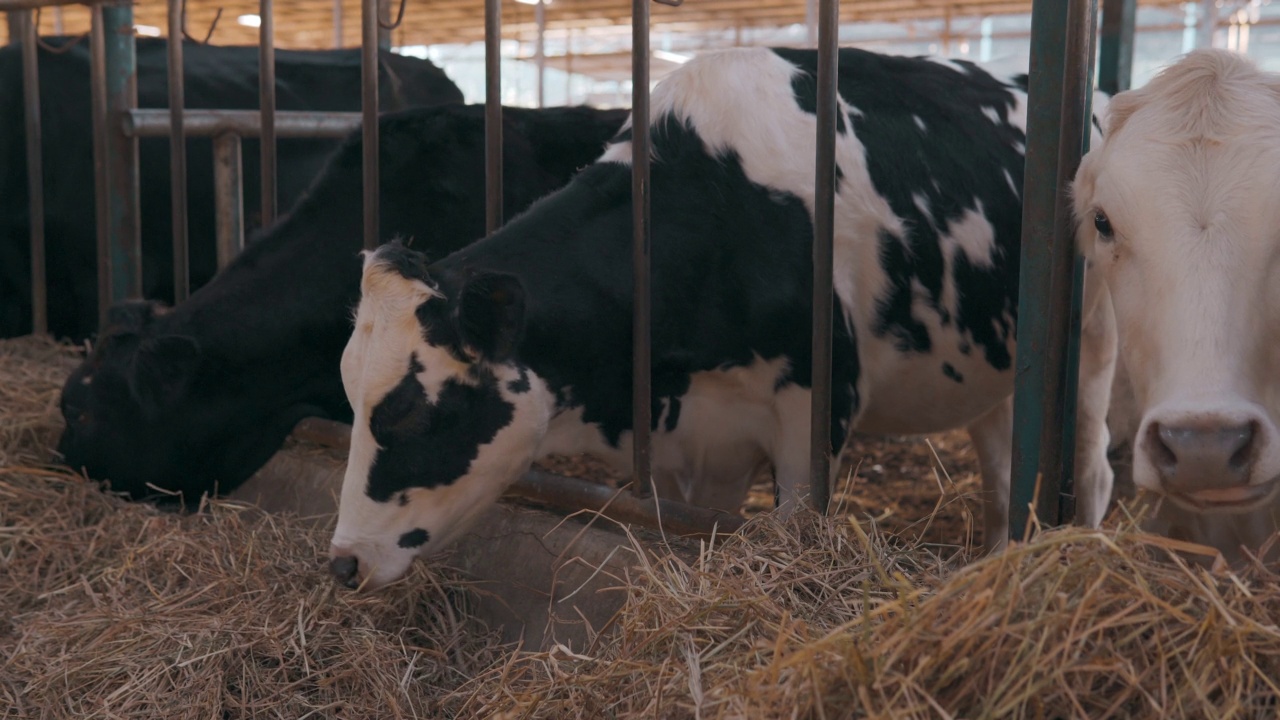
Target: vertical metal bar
[98, 95]
[811, 13]
[178, 154]
[820, 448]
[57, 20]
[267, 106]
[1045, 303]
[13, 25]
[123, 227]
[369, 124]
[35, 170]
[384, 19]
[1207, 24]
[540, 49]
[1115, 60]
[228, 193]
[1078, 98]
[641, 397]
[493, 114]
[337, 24]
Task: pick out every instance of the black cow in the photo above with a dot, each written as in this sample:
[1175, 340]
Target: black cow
[200, 396]
[216, 77]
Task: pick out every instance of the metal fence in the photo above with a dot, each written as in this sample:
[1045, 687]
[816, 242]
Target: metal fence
[1062, 39]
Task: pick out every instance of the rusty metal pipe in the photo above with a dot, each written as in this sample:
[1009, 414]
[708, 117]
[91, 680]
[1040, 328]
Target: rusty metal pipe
[228, 193]
[123, 211]
[245, 123]
[35, 171]
[178, 155]
[98, 103]
[369, 120]
[493, 115]
[641, 336]
[820, 444]
[267, 106]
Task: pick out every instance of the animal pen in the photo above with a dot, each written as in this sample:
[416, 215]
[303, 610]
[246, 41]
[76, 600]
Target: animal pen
[1061, 76]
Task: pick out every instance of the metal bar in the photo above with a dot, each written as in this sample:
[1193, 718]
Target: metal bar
[384, 19]
[35, 171]
[246, 123]
[811, 23]
[820, 448]
[267, 106]
[540, 49]
[123, 227]
[18, 5]
[228, 193]
[493, 115]
[567, 494]
[369, 120]
[1078, 99]
[98, 95]
[178, 154]
[337, 24]
[641, 337]
[1045, 302]
[1115, 60]
[1207, 24]
[57, 20]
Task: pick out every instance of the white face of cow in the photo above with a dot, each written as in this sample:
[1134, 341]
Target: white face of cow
[1179, 212]
[444, 419]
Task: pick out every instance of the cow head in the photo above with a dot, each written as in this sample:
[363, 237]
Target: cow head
[445, 418]
[148, 411]
[1179, 212]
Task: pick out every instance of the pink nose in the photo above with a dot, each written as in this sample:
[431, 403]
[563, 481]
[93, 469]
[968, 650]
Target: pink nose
[1210, 454]
[344, 567]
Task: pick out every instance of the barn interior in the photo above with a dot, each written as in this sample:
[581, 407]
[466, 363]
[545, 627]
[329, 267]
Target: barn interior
[126, 610]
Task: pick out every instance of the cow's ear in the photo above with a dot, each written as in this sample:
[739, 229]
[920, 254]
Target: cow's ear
[491, 315]
[134, 315]
[162, 370]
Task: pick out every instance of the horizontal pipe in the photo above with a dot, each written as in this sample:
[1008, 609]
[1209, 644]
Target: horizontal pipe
[245, 123]
[569, 494]
[12, 5]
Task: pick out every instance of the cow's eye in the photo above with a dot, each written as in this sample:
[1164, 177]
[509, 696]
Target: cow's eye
[1103, 225]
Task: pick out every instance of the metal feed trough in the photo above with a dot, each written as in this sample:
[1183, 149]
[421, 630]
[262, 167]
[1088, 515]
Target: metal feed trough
[1062, 41]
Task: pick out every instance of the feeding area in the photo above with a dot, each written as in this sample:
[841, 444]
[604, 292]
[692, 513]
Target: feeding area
[118, 609]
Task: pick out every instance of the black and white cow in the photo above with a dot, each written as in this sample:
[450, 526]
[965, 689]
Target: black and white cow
[1180, 222]
[216, 77]
[198, 397]
[463, 371]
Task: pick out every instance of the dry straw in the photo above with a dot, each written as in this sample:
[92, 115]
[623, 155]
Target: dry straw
[118, 610]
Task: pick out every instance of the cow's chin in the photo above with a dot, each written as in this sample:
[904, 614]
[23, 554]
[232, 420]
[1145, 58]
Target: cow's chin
[1231, 501]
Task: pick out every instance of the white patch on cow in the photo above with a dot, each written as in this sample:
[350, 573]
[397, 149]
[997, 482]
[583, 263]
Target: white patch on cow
[992, 114]
[922, 204]
[973, 235]
[920, 123]
[1017, 191]
[1187, 180]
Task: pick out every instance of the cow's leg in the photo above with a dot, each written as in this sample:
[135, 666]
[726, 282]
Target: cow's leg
[992, 436]
[1094, 475]
[790, 452]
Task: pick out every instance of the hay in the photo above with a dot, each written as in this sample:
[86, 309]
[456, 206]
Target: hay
[123, 611]
[119, 610]
[32, 371]
[821, 618]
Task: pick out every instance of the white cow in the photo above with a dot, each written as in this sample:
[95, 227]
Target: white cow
[1179, 218]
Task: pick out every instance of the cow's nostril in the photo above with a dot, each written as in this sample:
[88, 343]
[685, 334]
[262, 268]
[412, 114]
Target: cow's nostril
[345, 569]
[1243, 437]
[1160, 450]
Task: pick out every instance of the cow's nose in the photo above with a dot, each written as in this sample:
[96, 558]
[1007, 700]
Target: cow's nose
[1204, 455]
[345, 569]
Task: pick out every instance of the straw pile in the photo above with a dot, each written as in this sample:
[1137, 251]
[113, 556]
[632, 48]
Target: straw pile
[119, 610]
[824, 619]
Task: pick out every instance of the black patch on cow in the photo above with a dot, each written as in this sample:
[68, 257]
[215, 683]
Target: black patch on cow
[408, 264]
[957, 167]
[415, 538]
[732, 282]
[804, 86]
[427, 445]
[403, 499]
[521, 384]
[965, 348]
[950, 371]
[673, 413]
